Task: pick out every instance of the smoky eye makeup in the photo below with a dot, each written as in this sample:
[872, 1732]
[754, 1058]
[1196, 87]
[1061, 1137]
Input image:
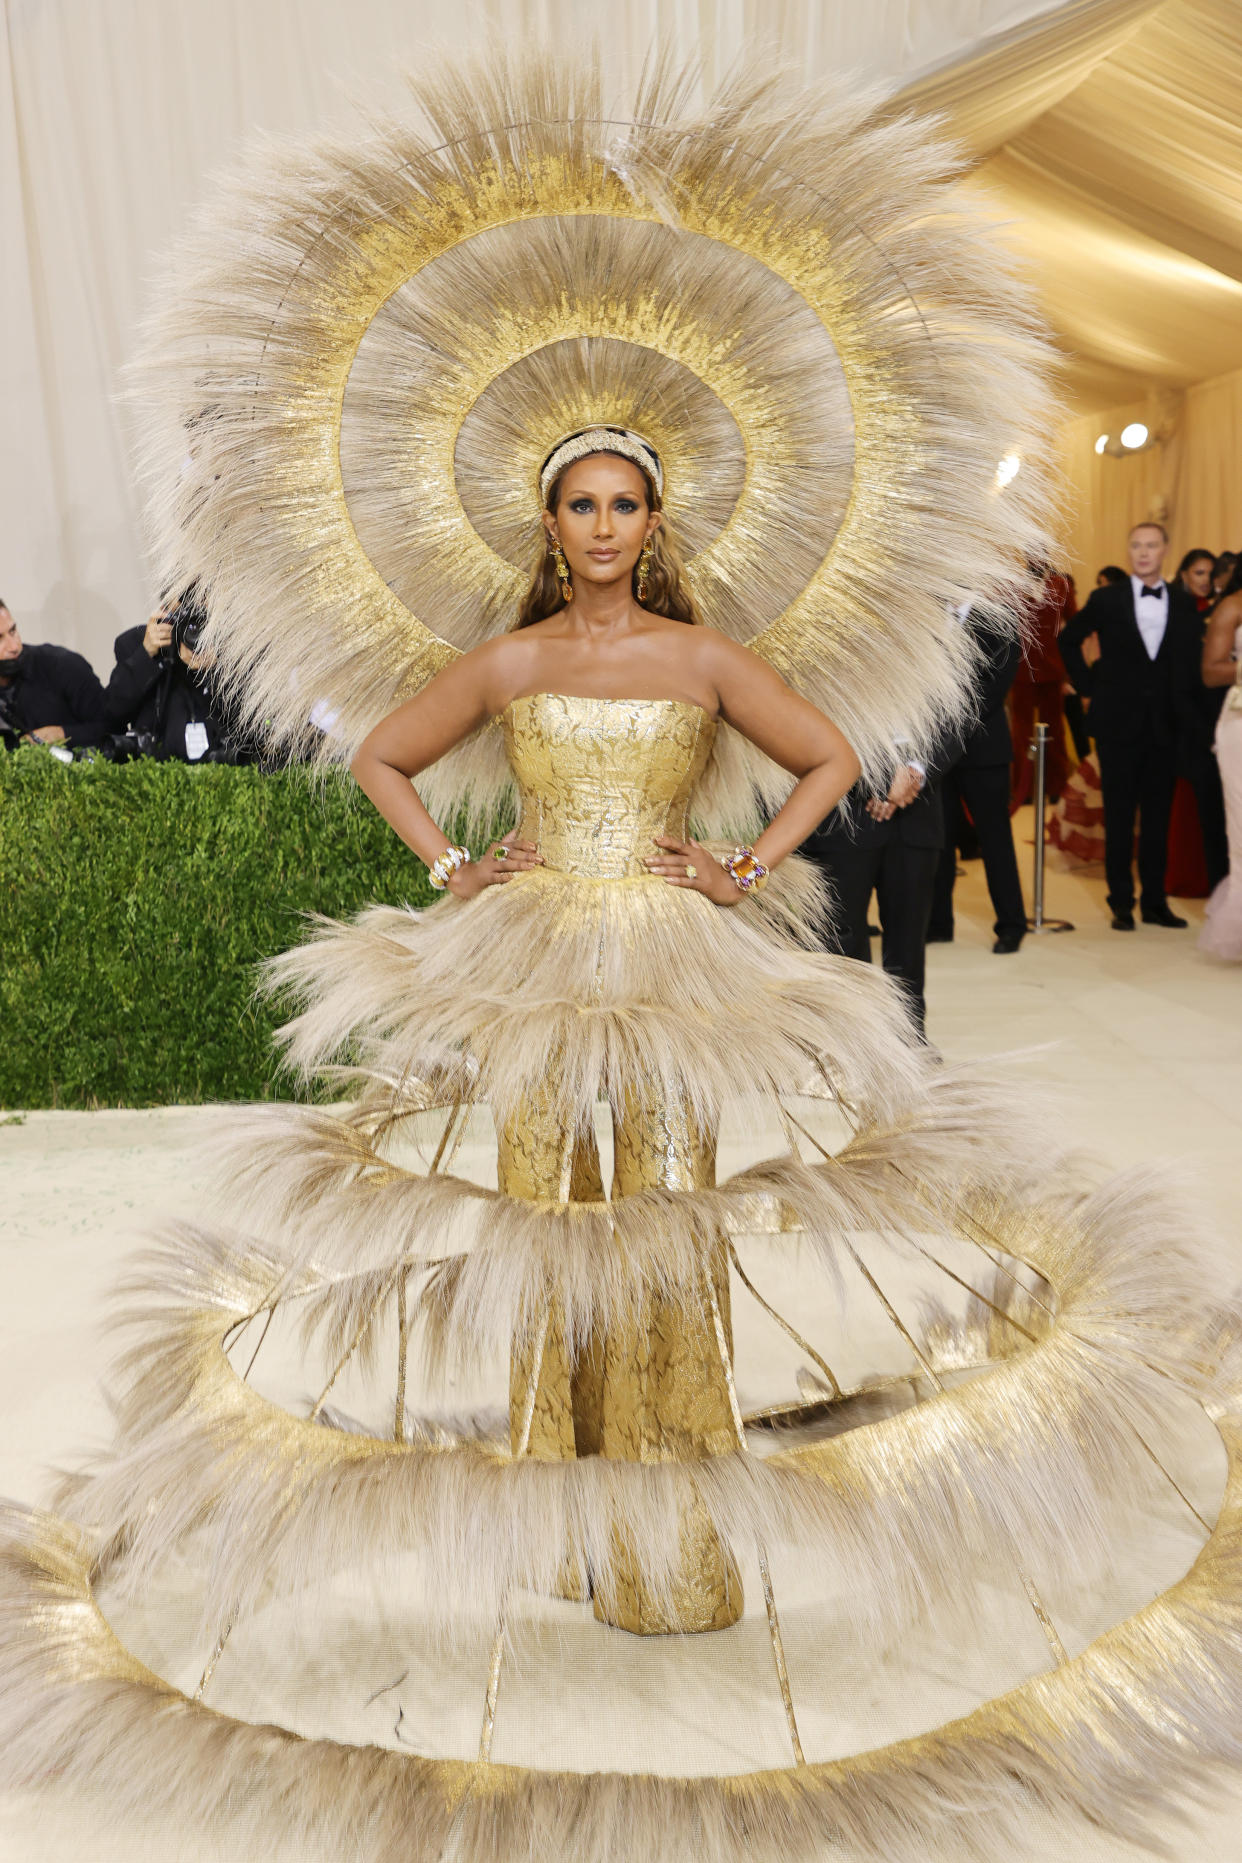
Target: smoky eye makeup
[581, 505]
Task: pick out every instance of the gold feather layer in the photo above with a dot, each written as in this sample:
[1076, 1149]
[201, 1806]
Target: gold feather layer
[1128, 1736]
[365, 350]
[558, 987]
[344, 1220]
[1044, 1452]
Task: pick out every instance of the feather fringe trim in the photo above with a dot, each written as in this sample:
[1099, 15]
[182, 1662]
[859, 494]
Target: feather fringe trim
[1043, 1452]
[337, 1222]
[553, 989]
[1127, 1736]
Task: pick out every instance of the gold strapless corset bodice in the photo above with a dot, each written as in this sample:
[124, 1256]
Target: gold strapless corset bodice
[600, 778]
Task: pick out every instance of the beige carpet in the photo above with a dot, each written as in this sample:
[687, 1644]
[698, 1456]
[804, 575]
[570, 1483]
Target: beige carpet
[1139, 1040]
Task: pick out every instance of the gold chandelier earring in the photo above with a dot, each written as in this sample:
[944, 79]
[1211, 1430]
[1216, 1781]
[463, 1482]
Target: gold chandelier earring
[644, 569]
[562, 570]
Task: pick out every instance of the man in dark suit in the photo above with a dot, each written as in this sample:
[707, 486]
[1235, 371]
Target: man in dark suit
[980, 779]
[1131, 650]
[890, 845]
[48, 694]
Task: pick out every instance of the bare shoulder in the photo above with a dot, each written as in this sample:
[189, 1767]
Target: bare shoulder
[726, 661]
[498, 667]
[1227, 614]
[723, 649]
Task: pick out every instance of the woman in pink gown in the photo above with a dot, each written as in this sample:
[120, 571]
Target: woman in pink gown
[1222, 663]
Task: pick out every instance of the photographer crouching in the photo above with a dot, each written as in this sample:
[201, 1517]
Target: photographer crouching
[162, 700]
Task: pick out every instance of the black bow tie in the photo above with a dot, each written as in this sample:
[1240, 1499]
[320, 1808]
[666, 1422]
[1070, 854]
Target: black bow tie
[1157, 591]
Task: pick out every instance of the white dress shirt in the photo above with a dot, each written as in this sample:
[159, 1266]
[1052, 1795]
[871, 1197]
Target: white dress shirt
[900, 745]
[1151, 611]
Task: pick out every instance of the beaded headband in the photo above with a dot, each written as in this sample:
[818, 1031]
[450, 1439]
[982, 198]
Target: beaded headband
[601, 440]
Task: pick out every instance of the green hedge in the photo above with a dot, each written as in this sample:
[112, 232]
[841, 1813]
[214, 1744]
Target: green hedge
[135, 901]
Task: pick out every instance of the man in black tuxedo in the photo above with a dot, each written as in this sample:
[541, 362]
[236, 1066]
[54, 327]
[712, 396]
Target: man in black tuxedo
[980, 779]
[890, 845]
[1132, 651]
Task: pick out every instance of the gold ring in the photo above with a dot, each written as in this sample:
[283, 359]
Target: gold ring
[691, 872]
[500, 851]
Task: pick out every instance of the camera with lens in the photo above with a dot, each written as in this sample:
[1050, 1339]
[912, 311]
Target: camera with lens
[188, 619]
[127, 746]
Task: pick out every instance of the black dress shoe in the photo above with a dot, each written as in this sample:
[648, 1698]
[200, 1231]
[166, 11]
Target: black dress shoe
[939, 937]
[1123, 921]
[1163, 916]
[1008, 942]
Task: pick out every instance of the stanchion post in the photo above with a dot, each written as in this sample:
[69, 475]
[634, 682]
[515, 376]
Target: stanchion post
[1039, 755]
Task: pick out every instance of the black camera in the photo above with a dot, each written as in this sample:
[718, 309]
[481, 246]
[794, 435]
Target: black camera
[187, 629]
[188, 618]
[126, 746]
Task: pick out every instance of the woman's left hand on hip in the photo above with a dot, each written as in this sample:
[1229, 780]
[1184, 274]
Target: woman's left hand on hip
[690, 865]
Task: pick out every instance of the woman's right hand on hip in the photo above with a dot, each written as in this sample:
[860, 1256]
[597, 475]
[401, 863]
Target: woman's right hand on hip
[504, 860]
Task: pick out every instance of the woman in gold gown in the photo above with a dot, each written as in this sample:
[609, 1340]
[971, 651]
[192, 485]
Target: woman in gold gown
[609, 703]
[376, 364]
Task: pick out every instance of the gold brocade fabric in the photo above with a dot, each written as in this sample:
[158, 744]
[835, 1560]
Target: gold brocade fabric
[599, 778]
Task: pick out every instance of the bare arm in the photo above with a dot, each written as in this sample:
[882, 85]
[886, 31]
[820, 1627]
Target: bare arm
[451, 706]
[755, 700]
[1219, 667]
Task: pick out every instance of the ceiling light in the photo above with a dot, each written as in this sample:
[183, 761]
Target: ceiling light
[1135, 435]
[1008, 469]
[1101, 443]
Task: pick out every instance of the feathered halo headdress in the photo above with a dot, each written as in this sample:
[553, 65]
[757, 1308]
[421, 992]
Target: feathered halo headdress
[369, 350]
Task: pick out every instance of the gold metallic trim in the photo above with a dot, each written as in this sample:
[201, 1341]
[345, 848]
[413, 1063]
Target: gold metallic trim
[769, 1596]
[403, 1353]
[498, 1646]
[494, 1667]
[1059, 1652]
[1037, 1604]
[792, 1331]
[778, 1656]
[892, 1313]
[209, 1668]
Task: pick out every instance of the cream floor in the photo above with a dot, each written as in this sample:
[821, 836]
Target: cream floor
[1139, 1041]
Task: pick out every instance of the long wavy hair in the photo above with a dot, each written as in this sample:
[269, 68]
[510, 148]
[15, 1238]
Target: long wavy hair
[666, 592]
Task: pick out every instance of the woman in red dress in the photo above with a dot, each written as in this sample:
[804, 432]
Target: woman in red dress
[1036, 694]
[1077, 824]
